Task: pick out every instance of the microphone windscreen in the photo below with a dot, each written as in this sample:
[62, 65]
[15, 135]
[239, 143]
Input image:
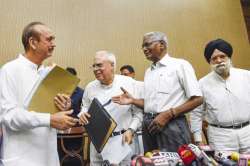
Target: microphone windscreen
[186, 154]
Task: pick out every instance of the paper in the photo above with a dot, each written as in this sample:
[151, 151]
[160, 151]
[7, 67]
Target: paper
[58, 80]
[115, 151]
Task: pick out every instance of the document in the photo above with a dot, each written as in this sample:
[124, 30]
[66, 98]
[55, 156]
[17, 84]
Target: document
[100, 126]
[115, 151]
[58, 80]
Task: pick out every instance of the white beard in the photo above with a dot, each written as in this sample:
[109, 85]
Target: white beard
[222, 68]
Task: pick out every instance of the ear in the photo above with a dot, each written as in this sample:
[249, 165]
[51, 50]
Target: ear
[32, 43]
[162, 46]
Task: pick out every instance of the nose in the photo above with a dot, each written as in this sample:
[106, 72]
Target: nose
[218, 60]
[53, 44]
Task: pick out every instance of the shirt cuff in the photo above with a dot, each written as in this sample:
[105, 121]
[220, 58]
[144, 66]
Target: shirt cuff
[44, 119]
[133, 126]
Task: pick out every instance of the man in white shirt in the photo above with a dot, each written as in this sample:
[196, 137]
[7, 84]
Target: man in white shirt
[226, 92]
[29, 137]
[171, 90]
[128, 118]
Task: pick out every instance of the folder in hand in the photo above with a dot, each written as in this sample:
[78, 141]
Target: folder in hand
[58, 80]
[100, 126]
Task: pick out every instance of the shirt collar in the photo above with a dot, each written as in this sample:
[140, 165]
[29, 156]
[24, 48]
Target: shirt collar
[163, 62]
[108, 86]
[29, 63]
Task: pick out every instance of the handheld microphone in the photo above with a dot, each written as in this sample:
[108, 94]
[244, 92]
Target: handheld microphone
[167, 158]
[223, 159]
[138, 160]
[201, 155]
[187, 155]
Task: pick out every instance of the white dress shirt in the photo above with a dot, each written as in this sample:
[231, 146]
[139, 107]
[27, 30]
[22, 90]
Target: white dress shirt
[226, 102]
[28, 139]
[168, 84]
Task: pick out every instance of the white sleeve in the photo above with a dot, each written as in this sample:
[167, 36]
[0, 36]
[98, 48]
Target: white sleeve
[188, 80]
[196, 118]
[13, 115]
[137, 113]
[85, 101]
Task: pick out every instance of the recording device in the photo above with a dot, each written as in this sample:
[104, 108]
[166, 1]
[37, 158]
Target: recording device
[236, 157]
[139, 160]
[201, 156]
[207, 149]
[187, 155]
[167, 159]
[223, 159]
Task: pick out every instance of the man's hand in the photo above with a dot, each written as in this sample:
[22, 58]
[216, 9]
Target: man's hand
[123, 99]
[62, 102]
[127, 137]
[83, 119]
[159, 122]
[62, 120]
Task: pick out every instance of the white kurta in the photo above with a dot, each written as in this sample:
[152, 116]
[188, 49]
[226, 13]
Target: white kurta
[226, 102]
[28, 139]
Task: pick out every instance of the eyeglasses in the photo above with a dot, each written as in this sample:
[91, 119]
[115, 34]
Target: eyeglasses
[97, 66]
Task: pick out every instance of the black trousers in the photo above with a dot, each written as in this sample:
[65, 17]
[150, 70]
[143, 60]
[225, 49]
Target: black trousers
[174, 134]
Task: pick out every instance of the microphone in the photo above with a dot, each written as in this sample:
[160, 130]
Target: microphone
[167, 158]
[139, 160]
[202, 156]
[187, 155]
[241, 158]
[223, 159]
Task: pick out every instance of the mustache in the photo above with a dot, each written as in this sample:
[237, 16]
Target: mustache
[223, 64]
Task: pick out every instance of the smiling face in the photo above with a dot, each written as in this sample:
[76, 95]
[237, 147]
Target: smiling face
[153, 48]
[44, 46]
[103, 69]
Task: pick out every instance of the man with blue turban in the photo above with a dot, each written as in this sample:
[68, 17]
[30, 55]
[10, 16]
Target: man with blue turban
[226, 103]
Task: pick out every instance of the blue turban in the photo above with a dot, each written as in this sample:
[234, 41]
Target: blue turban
[218, 44]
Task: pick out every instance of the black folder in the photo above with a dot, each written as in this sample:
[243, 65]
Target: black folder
[100, 126]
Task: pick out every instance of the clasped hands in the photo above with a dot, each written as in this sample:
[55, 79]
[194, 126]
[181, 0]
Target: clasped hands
[62, 120]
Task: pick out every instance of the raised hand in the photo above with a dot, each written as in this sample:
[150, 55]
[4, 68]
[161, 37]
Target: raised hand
[123, 99]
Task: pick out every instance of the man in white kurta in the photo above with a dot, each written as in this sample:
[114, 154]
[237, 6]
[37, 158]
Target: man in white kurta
[29, 138]
[226, 92]
[128, 118]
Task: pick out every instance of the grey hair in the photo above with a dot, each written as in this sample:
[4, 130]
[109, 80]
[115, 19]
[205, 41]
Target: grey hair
[107, 55]
[156, 36]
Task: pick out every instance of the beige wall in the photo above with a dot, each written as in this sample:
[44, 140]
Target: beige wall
[83, 27]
